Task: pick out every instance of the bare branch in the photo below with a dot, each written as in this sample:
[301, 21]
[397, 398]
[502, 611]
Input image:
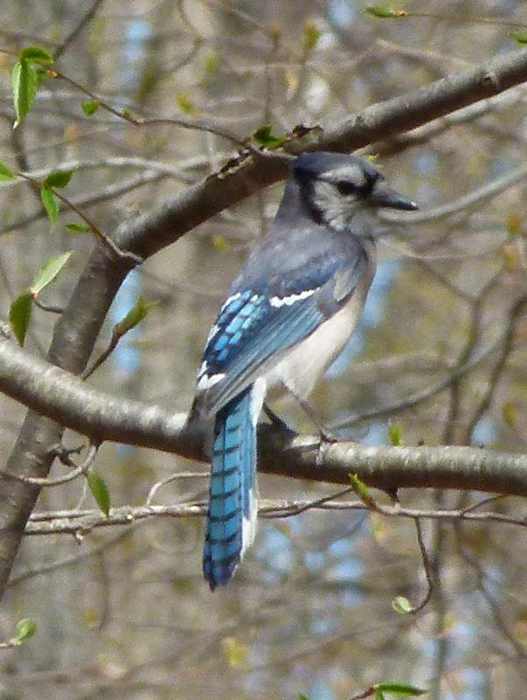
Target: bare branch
[64, 398]
[80, 522]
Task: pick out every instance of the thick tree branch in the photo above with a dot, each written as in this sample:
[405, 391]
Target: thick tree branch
[152, 232]
[79, 325]
[57, 394]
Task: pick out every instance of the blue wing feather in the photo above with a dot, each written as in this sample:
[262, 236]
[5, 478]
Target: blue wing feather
[253, 332]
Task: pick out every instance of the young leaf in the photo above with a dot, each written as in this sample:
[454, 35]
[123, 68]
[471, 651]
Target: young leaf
[361, 490]
[41, 74]
[89, 107]
[379, 695]
[235, 652]
[521, 37]
[50, 203]
[384, 12]
[185, 104]
[24, 80]
[136, 314]
[514, 222]
[401, 605]
[6, 173]
[60, 178]
[24, 629]
[48, 272]
[99, 491]
[211, 63]
[301, 696]
[221, 243]
[19, 315]
[311, 36]
[265, 137]
[403, 690]
[37, 53]
[510, 257]
[510, 414]
[78, 228]
[395, 433]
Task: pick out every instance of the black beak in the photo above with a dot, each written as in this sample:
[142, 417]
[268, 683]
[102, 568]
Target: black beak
[383, 196]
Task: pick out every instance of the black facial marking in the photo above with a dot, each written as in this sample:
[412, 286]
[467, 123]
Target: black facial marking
[345, 187]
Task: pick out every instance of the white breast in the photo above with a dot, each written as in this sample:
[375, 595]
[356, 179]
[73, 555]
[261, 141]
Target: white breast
[300, 369]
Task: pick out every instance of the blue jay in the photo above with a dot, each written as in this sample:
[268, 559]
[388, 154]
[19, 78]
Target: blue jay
[288, 315]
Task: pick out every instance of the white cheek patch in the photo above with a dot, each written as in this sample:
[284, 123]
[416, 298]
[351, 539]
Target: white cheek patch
[339, 212]
[292, 298]
[207, 382]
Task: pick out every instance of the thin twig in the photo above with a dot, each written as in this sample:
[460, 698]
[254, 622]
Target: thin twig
[108, 242]
[88, 16]
[82, 468]
[47, 307]
[427, 568]
[83, 521]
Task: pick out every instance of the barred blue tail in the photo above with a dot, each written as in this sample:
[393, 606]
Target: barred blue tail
[232, 502]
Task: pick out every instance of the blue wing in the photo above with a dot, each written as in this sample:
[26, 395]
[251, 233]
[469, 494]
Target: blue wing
[257, 325]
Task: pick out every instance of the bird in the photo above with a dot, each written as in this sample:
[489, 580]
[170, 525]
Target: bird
[288, 315]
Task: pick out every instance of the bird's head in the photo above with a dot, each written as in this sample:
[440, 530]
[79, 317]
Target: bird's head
[344, 191]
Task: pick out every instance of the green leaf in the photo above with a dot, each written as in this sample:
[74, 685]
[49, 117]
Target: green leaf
[310, 36]
[221, 243]
[36, 53]
[401, 689]
[24, 80]
[361, 490]
[24, 629]
[384, 12]
[136, 314]
[379, 695]
[212, 62]
[265, 137]
[521, 37]
[185, 104]
[99, 491]
[41, 74]
[90, 107]
[78, 228]
[6, 173]
[19, 315]
[60, 178]
[48, 272]
[301, 696]
[401, 605]
[395, 433]
[50, 202]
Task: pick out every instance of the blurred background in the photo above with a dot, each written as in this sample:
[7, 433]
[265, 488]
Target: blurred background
[124, 613]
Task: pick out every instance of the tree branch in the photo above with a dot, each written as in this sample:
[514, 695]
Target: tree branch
[54, 393]
[246, 175]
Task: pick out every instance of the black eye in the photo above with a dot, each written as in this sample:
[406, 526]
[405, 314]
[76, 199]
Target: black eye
[346, 187]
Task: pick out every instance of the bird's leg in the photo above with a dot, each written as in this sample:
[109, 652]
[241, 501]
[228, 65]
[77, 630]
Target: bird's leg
[275, 420]
[325, 434]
